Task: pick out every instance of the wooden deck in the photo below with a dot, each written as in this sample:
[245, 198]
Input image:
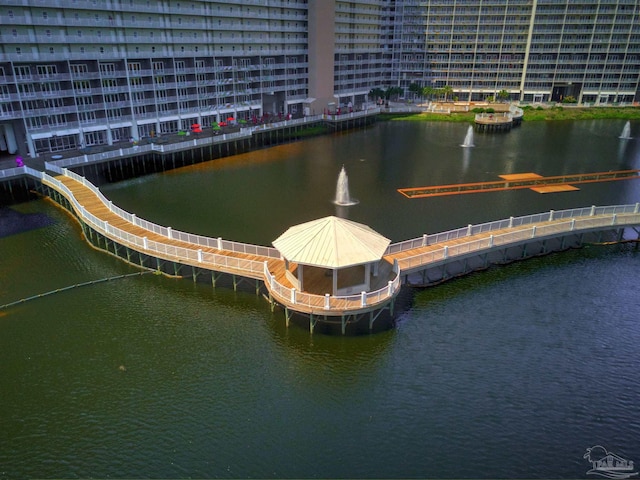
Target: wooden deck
[532, 181]
[316, 282]
[313, 298]
[92, 203]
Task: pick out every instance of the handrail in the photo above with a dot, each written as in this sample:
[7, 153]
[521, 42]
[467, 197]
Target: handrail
[470, 230]
[207, 259]
[195, 256]
[170, 233]
[576, 223]
[325, 302]
[187, 143]
[541, 225]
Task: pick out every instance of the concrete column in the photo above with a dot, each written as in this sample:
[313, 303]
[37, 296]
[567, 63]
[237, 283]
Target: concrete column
[321, 28]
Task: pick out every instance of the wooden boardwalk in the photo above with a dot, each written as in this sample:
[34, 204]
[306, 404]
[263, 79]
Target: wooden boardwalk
[401, 259]
[132, 236]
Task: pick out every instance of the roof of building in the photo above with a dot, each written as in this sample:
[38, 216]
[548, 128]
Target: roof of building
[331, 242]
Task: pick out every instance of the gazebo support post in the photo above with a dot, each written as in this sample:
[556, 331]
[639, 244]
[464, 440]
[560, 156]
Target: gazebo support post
[343, 320]
[312, 322]
[367, 276]
[300, 277]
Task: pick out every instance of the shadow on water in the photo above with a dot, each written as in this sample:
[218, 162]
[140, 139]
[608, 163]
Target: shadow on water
[13, 222]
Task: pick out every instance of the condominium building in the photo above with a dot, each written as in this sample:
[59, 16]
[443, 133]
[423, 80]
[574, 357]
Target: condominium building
[536, 50]
[79, 73]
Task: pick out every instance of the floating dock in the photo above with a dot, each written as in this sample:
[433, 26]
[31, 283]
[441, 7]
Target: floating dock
[532, 181]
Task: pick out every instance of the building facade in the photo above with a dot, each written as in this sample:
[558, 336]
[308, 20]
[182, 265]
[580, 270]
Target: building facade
[536, 50]
[78, 73]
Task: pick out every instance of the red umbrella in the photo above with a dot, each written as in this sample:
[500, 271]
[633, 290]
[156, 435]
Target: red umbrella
[231, 119]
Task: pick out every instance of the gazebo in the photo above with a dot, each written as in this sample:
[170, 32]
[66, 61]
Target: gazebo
[331, 255]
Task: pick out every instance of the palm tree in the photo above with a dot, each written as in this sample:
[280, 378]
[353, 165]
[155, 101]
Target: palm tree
[416, 89]
[503, 95]
[393, 91]
[428, 92]
[446, 91]
[376, 93]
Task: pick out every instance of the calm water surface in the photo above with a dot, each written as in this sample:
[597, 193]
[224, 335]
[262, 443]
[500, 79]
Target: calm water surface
[512, 372]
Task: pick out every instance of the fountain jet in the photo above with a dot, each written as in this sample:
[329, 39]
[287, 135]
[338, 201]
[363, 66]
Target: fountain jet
[342, 190]
[468, 139]
[626, 131]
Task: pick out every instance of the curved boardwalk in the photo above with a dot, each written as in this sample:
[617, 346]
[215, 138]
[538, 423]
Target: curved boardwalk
[422, 256]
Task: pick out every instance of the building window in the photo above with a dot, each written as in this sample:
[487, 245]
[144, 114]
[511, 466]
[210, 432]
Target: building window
[109, 84]
[79, 68]
[87, 117]
[23, 72]
[47, 70]
[107, 69]
[114, 114]
[82, 86]
[57, 120]
[50, 88]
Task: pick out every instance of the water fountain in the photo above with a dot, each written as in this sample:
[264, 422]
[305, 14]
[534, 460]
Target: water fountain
[626, 131]
[468, 139]
[342, 190]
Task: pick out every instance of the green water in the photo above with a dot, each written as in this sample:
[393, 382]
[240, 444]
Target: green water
[512, 372]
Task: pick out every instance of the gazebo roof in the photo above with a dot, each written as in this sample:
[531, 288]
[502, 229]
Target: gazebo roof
[331, 242]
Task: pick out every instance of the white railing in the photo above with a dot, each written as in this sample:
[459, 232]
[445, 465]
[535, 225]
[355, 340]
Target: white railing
[589, 219]
[200, 240]
[498, 117]
[12, 172]
[541, 225]
[192, 256]
[214, 261]
[356, 114]
[185, 143]
[470, 230]
[328, 302]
